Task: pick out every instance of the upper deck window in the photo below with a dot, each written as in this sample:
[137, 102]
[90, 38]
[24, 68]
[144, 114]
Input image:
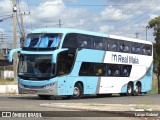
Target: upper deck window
[124, 46]
[42, 41]
[147, 49]
[112, 45]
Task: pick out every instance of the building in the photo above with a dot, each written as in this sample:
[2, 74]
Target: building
[4, 49]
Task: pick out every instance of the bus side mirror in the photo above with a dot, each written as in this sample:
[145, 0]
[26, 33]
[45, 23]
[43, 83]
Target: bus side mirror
[11, 53]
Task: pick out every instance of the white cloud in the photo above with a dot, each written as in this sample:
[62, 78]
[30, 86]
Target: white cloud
[5, 7]
[49, 12]
[1, 30]
[112, 14]
[152, 16]
[105, 28]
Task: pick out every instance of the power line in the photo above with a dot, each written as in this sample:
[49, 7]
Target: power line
[134, 18]
[126, 11]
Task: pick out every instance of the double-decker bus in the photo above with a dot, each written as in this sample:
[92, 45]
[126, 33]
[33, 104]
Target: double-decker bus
[71, 62]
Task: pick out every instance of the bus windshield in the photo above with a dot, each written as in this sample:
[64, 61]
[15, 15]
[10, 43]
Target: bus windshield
[36, 67]
[41, 41]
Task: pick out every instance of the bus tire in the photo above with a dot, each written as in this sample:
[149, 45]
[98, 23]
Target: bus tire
[137, 89]
[78, 91]
[45, 97]
[129, 89]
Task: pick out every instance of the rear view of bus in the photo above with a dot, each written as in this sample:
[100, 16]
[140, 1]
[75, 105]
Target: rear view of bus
[70, 62]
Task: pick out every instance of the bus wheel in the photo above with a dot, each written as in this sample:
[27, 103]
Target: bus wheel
[129, 89]
[137, 89]
[78, 91]
[45, 97]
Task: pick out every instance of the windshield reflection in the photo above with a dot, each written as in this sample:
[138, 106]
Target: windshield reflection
[37, 66]
[42, 41]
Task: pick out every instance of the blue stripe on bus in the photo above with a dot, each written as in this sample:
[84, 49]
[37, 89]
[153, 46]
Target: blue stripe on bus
[36, 83]
[87, 55]
[147, 80]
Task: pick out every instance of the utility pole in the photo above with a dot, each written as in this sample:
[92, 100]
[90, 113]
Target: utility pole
[136, 34]
[22, 28]
[15, 38]
[59, 23]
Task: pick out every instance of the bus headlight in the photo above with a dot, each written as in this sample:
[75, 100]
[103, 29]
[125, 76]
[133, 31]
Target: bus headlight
[49, 85]
[20, 85]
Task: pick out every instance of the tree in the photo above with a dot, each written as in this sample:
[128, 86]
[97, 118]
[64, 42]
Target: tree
[155, 24]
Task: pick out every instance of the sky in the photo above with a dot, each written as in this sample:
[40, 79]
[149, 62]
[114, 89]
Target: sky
[127, 18]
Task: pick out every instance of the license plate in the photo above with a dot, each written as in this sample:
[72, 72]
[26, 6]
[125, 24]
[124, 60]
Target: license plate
[33, 91]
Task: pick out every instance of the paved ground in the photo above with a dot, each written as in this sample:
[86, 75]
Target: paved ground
[116, 103]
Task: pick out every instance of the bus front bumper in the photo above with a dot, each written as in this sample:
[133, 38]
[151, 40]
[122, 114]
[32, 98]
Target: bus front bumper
[39, 90]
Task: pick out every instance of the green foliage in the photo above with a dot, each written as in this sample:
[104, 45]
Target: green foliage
[155, 24]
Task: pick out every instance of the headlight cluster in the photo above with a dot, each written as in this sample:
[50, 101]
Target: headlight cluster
[20, 85]
[49, 85]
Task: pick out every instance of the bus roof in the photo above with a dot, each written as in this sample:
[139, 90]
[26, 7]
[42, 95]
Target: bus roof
[129, 39]
[67, 30]
[72, 30]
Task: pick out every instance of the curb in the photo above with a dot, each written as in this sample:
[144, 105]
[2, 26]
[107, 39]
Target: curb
[8, 89]
[111, 111]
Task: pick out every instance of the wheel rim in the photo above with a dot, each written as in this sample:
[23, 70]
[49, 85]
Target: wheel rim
[129, 90]
[76, 91]
[137, 89]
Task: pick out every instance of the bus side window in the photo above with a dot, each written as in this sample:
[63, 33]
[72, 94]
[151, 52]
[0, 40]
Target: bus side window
[99, 69]
[65, 62]
[99, 43]
[70, 41]
[124, 46]
[146, 50]
[84, 44]
[112, 45]
[125, 70]
[135, 48]
[86, 69]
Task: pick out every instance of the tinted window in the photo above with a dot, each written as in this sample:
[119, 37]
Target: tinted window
[86, 69]
[124, 46]
[103, 69]
[73, 40]
[112, 45]
[85, 41]
[70, 41]
[147, 49]
[136, 48]
[99, 43]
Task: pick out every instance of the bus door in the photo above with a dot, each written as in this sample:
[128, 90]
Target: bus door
[65, 62]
